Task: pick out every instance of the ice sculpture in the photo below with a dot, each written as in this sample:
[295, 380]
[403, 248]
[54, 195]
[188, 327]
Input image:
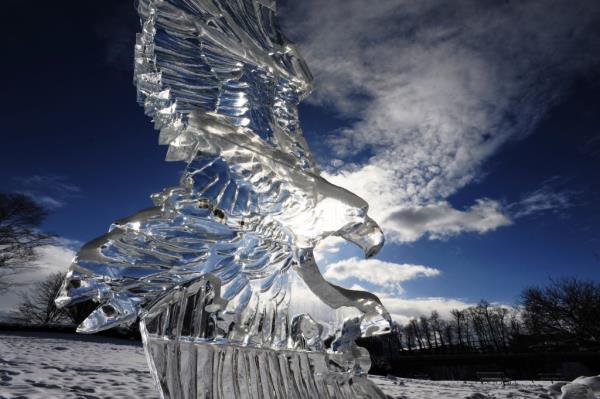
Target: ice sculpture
[207, 270]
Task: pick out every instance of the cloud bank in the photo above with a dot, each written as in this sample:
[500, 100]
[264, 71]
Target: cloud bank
[440, 220]
[385, 275]
[435, 88]
[402, 310]
[385, 280]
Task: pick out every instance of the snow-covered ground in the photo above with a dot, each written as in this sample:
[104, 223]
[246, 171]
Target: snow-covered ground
[420, 389]
[48, 366]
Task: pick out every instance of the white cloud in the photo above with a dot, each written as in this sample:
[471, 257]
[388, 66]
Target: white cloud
[385, 275]
[402, 309]
[382, 278]
[435, 88]
[544, 199]
[440, 220]
[408, 221]
[327, 247]
[52, 259]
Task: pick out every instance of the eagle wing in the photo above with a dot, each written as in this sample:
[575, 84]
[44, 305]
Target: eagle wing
[220, 57]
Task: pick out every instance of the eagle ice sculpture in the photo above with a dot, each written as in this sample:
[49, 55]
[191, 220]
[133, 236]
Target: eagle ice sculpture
[208, 269]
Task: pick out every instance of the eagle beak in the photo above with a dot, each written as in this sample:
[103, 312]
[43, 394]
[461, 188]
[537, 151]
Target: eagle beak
[368, 236]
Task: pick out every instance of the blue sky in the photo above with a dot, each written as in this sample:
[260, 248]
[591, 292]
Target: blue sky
[472, 131]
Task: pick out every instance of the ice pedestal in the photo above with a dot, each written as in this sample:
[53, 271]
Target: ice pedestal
[193, 369]
[187, 361]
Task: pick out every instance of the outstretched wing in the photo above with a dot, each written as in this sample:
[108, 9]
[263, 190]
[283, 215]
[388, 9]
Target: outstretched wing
[184, 238]
[224, 57]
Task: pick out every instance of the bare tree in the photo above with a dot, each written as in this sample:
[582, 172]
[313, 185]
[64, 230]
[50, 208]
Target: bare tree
[20, 218]
[426, 330]
[396, 335]
[449, 335]
[468, 329]
[38, 307]
[459, 321]
[409, 337]
[490, 329]
[437, 326]
[480, 327]
[516, 324]
[501, 319]
[567, 308]
[417, 333]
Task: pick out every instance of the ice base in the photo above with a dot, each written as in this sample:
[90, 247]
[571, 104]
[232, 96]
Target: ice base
[190, 357]
[189, 370]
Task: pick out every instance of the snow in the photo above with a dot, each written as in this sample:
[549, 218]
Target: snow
[402, 388]
[53, 366]
[49, 366]
[576, 391]
[592, 382]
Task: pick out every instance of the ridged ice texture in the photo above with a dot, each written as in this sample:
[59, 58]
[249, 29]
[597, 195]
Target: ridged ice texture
[207, 270]
[186, 361]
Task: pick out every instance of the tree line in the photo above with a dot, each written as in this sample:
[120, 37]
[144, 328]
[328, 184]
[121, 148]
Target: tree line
[565, 314]
[481, 327]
